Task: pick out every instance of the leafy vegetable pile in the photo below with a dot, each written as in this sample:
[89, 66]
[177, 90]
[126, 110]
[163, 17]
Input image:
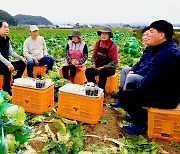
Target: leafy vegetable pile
[58, 134]
[131, 46]
[70, 139]
[13, 129]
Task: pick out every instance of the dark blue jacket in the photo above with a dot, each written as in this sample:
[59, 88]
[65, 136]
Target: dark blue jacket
[163, 75]
[141, 66]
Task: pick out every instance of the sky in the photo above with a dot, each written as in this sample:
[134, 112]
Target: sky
[96, 11]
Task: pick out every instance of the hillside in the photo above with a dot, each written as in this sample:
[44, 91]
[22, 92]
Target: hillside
[32, 20]
[8, 18]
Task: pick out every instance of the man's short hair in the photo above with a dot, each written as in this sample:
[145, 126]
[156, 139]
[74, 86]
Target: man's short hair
[1, 23]
[145, 29]
[163, 26]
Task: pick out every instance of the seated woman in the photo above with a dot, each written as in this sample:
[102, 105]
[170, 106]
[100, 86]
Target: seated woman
[76, 55]
[104, 58]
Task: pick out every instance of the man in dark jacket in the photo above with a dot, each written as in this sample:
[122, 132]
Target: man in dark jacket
[130, 76]
[160, 87]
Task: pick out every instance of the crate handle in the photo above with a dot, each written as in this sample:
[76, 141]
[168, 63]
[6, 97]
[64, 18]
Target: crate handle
[26, 101]
[76, 109]
[166, 135]
[49, 105]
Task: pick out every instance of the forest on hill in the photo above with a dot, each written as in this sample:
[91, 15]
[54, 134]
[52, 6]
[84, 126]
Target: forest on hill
[21, 19]
[4, 16]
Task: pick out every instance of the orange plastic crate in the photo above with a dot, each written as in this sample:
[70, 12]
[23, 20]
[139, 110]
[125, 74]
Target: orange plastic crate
[37, 70]
[80, 77]
[82, 108]
[2, 81]
[35, 101]
[164, 124]
[111, 83]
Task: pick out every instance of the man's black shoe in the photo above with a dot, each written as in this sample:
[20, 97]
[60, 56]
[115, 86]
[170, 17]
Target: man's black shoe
[116, 104]
[115, 95]
[128, 118]
[134, 129]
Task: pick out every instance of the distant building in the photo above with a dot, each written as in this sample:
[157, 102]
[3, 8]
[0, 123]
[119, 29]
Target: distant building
[64, 26]
[176, 27]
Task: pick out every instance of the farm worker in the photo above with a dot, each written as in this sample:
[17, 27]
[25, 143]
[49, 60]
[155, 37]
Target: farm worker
[35, 51]
[7, 67]
[104, 58]
[131, 76]
[76, 54]
[160, 87]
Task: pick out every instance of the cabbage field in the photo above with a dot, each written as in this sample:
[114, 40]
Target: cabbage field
[130, 47]
[52, 134]
[128, 41]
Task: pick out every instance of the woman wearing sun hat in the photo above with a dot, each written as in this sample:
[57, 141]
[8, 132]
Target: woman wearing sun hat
[104, 58]
[76, 54]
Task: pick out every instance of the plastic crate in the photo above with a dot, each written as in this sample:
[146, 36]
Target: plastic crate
[2, 81]
[80, 77]
[111, 83]
[37, 70]
[164, 124]
[32, 100]
[82, 108]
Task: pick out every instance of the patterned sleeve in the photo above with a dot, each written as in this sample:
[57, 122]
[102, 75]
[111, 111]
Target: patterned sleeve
[85, 55]
[93, 61]
[111, 64]
[68, 58]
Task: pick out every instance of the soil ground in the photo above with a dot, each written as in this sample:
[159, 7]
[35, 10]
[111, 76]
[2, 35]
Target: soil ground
[111, 130]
